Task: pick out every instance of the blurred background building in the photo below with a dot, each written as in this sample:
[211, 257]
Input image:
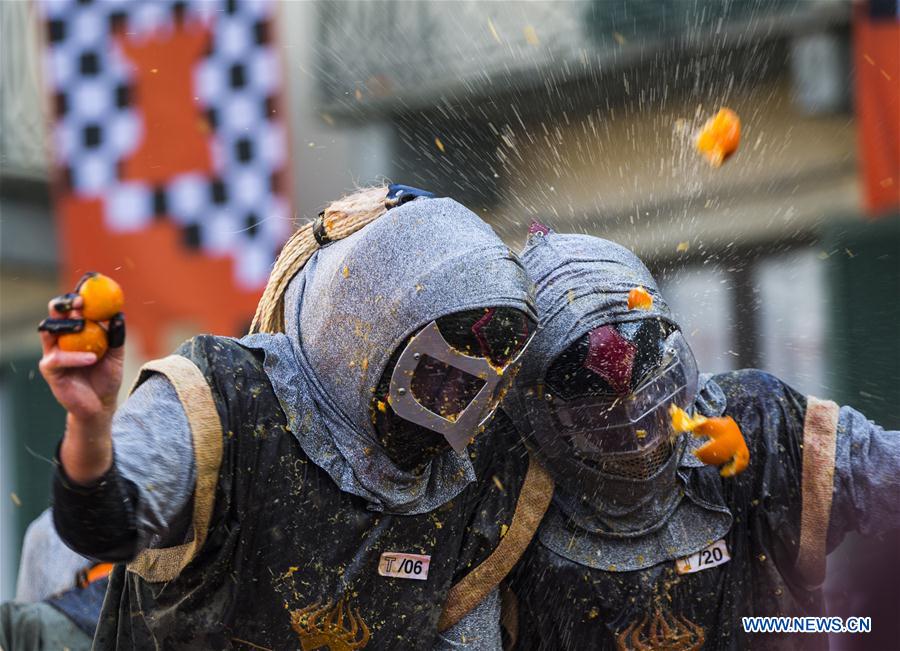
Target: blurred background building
[580, 114]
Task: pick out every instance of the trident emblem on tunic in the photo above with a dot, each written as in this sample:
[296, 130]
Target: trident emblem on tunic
[661, 633]
[321, 627]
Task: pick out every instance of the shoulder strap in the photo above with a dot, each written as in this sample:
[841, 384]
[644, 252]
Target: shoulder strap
[819, 440]
[534, 498]
[193, 391]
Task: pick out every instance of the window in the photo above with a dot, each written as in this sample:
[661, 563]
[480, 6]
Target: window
[701, 300]
[771, 314]
[792, 316]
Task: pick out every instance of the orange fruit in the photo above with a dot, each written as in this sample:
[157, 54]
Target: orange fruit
[92, 339]
[726, 446]
[639, 298]
[720, 136]
[103, 297]
[682, 421]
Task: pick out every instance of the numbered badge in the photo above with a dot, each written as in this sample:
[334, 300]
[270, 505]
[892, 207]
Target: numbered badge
[715, 554]
[404, 566]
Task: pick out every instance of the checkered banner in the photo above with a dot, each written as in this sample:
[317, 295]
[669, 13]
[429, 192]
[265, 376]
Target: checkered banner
[171, 151]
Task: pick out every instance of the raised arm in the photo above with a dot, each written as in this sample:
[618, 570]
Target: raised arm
[866, 477]
[124, 479]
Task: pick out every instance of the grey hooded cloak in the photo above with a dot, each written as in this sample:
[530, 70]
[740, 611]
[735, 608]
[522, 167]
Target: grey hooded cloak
[602, 572]
[305, 500]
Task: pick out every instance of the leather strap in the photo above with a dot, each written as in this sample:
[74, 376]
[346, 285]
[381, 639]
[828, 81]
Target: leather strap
[534, 498]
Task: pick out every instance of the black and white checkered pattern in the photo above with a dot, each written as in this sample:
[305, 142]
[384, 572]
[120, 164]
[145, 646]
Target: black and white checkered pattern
[241, 210]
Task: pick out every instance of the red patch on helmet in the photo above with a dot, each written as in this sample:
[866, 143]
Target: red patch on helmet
[477, 329]
[611, 356]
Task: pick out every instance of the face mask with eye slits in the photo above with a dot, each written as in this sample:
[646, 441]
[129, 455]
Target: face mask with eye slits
[436, 386]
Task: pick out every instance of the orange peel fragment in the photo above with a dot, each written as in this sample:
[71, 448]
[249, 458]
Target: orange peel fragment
[639, 299]
[726, 446]
[720, 136]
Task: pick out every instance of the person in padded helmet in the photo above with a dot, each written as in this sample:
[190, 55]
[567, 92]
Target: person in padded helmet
[644, 546]
[316, 484]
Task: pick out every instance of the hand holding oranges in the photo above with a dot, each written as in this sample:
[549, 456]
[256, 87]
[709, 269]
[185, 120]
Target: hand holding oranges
[82, 358]
[83, 354]
[100, 299]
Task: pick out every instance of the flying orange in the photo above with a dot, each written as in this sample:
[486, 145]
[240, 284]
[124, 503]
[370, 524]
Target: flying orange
[720, 136]
[640, 299]
[726, 447]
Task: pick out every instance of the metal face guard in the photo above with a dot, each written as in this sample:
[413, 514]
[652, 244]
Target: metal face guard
[460, 427]
[601, 426]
